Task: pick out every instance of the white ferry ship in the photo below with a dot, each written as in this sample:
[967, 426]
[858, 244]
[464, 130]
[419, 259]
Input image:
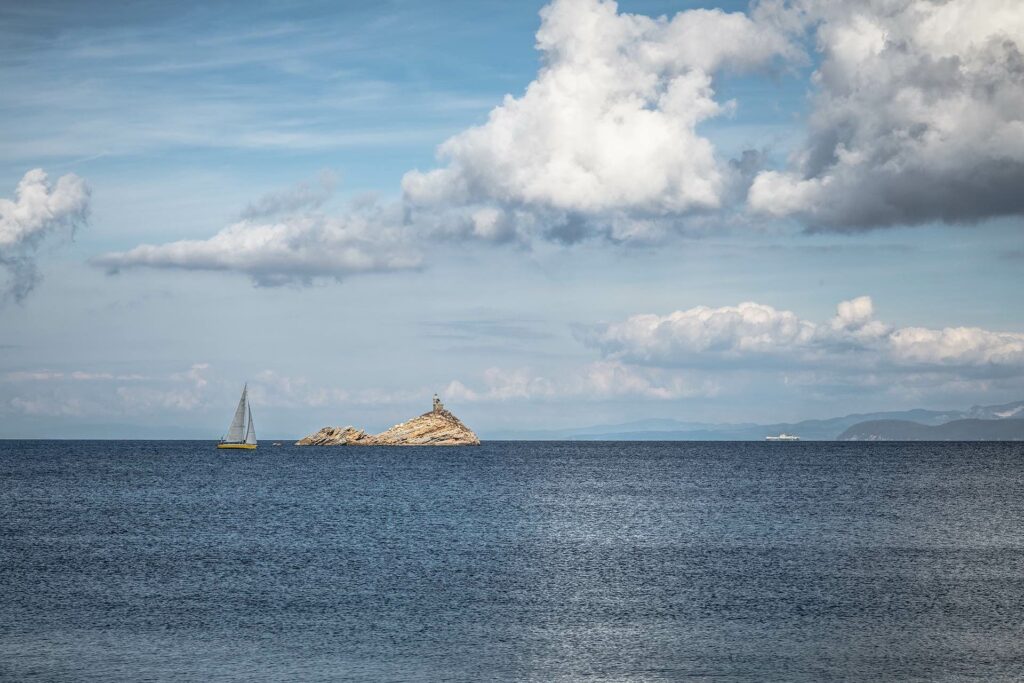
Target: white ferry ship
[782, 437]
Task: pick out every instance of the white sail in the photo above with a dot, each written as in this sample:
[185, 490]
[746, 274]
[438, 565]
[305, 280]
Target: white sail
[250, 432]
[236, 432]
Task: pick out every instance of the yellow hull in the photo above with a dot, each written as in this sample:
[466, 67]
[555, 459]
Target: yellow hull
[243, 446]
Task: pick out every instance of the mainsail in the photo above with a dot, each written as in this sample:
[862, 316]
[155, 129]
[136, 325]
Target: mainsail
[237, 432]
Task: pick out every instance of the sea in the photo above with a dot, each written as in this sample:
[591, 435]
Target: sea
[527, 561]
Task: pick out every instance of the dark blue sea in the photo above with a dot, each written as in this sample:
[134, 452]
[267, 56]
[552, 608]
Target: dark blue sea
[171, 561]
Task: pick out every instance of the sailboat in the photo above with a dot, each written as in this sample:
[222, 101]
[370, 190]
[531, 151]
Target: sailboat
[242, 432]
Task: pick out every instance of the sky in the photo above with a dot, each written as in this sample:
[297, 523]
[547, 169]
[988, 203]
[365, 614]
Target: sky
[553, 215]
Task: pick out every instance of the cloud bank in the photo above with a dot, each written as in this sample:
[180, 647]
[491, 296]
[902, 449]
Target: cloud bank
[917, 115]
[711, 352]
[39, 211]
[736, 335]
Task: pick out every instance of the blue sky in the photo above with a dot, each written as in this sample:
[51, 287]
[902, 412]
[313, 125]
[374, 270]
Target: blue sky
[577, 254]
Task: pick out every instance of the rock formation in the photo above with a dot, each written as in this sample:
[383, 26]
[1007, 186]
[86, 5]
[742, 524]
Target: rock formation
[337, 436]
[436, 428]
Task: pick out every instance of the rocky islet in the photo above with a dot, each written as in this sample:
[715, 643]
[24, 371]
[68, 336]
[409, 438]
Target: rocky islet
[439, 427]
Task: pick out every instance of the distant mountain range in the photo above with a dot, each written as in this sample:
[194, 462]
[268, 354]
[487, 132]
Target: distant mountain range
[957, 430]
[810, 430]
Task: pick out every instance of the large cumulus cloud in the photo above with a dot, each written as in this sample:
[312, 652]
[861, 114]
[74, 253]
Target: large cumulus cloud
[918, 116]
[608, 126]
[40, 210]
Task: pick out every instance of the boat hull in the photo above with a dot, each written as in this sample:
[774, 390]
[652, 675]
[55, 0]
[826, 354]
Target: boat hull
[238, 446]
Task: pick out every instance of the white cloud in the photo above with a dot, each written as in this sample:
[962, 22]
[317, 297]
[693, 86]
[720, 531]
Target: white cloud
[609, 124]
[53, 407]
[296, 248]
[853, 340]
[185, 391]
[99, 393]
[957, 346]
[601, 380]
[271, 388]
[917, 116]
[611, 378]
[38, 211]
[503, 385]
[303, 197]
[853, 313]
[33, 376]
[728, 331]
[80, 376]
[77, 375]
